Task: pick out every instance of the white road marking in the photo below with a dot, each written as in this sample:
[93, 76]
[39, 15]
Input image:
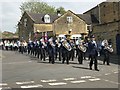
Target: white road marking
[3, 84]
[86, 77]
[111, 81]
[16, 62]
[115, 72]
[67, 79]
[80, 81]
[3, 88]
[96, 79]
[59, 83]
[32, 86]
[48, 80]
[107, 73]
[28, 82]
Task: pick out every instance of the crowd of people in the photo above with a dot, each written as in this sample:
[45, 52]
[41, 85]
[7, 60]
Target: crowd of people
[63, 50]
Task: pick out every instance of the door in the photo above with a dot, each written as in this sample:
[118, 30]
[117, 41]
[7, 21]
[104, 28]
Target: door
[118, 43]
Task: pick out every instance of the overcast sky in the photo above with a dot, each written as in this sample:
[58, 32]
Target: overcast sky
[10, 13]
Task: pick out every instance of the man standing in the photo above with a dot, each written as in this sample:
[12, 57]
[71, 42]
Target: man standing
[92, 46]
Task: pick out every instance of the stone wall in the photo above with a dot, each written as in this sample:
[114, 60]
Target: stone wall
[61, 26]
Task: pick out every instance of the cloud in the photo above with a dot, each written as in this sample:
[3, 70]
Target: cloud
[10, 12]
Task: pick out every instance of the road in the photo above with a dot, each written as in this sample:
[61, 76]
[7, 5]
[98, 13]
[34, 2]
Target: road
[23, 71]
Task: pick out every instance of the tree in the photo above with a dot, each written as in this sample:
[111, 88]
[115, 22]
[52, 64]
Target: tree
[38, 7]
[61, 9]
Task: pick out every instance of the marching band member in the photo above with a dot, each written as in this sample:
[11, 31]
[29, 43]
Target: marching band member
[43, 46]
[81, 50]
[66, 48]
[92, 46]
[107, 50]
[51, 51]
[72, 52]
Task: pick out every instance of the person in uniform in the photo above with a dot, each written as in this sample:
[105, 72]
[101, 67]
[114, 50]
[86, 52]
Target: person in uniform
[51, 51]
[43, 51]
[72, 52]
[92, 46]
[107, 49]
[81, 50]
[66, 48]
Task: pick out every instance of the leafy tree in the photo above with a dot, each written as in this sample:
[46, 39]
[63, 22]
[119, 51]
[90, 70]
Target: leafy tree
[39, 7]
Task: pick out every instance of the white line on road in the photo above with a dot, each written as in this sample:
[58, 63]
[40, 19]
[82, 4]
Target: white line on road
[86, 77]
[59, 83]
[4, 88]
[3, 84]
[28, 82]
[111, 81]
[80, 81]
[96, 79]
[115, 72]
[67, 79]
[32, 86]
[107, 73]
[16, 62]
[48, 80]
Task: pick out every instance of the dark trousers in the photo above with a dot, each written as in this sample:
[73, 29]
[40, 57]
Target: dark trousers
[51, 59]
[72, 54]
[60, 54]
[93, 58]
[80, 57]
[42, 54]
[106, 58]
[66, 56]
[6, 47]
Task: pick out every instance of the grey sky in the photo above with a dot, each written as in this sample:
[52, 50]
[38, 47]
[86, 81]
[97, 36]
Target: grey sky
[10, 12]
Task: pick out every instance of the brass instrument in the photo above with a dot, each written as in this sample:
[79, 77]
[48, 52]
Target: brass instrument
[109, 49]
[67, 46]
[82, 48]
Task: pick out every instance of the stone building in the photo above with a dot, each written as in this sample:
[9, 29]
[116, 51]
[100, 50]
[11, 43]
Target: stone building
[35, 25]
[108, 15]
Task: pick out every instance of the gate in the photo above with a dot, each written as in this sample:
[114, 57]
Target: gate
[118, 44]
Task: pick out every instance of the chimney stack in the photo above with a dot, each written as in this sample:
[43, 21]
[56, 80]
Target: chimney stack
[58, 13]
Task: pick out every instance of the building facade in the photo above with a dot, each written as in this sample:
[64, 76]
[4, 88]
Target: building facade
[34, 25]
[108, 15]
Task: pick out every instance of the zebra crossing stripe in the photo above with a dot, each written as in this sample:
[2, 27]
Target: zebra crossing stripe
[3, 84]
[115, 72]
[4, 88]
[32, 86]
[80, 81]
[59, 83]
[48, 81]
[86, 77]
[28, 82]
[67, 79]
[107, 74]
[96, 79]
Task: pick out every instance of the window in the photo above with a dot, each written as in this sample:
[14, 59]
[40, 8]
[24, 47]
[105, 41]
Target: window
[47, 18]
[69, 19]
[25, 22]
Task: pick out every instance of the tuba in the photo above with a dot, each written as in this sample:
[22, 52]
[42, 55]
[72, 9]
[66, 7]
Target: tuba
[67, 46]
[82, 48]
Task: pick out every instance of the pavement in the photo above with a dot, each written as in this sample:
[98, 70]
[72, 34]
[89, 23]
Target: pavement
[24, 71]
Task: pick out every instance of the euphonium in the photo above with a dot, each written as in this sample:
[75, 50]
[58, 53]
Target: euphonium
[82, 48]
[108, 48]
[67, 46]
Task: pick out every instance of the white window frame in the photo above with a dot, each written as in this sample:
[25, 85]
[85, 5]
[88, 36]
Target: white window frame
[69, 19]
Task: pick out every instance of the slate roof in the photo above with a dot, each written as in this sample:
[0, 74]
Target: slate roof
[38, 18]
